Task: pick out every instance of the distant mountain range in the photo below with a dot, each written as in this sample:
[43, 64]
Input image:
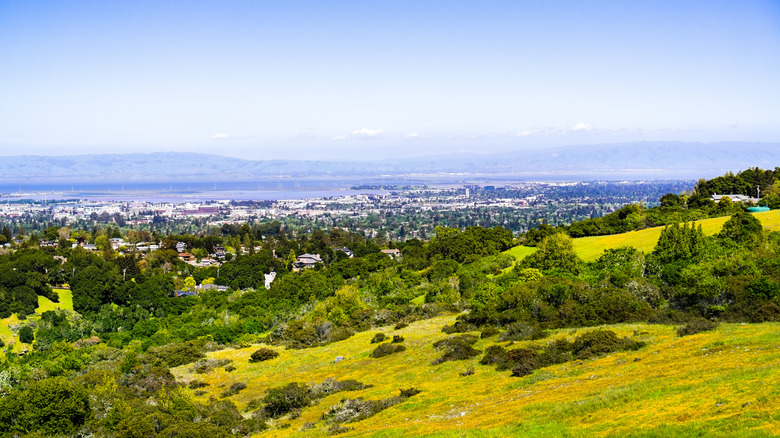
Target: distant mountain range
[642, 160]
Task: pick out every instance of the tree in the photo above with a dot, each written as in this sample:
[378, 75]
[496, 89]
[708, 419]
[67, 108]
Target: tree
[26, 335]
[51, 406]
[744, 229]
[555, 252]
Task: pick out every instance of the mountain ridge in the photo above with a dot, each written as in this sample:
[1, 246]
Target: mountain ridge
[684, 159]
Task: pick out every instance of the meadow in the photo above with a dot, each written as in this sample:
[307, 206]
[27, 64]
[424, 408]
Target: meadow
[590, 248]
[713, 383]
[44, 304]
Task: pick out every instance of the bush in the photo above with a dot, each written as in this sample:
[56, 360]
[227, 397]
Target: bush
[379, 337]
[524, 361]
[696, 325]
[401, 325]
[494, 355]
[179, 353]
[599, 342]
[765, 313]
[26, 335]
[488, 332]
[206, 365]
[410, 392]
[263, 354]
[397, 339]
[456, 348]
[331, 386]
[386, 349]
[281, 400]
[195, 384]
[521, 331]
[459, 327]
[234, 389]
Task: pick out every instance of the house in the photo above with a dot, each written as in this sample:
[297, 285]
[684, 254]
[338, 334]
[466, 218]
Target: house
[216, 287]
[47, 244]
[347, 251]
[269, 278]
[306, 261]
[181, 247]
[393, 253]
[184, 293]
[186, 257]
[734, 198]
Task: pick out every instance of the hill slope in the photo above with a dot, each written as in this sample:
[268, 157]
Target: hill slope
[713, 382]
[590, 248]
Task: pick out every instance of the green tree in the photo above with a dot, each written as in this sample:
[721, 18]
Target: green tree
[555, 252]
[26, 335]
[744, 229]
[51, 406]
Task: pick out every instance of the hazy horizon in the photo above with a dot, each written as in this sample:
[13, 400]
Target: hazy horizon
[361, 81]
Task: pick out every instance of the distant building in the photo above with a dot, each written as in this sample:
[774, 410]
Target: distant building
[734, 198]
[393, 253]
[306, 261]
[347, 251]
[269, 278]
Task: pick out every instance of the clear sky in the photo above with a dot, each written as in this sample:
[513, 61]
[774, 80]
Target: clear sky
[375, 79]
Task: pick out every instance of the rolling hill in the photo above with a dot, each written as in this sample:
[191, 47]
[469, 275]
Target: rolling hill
[712, 383]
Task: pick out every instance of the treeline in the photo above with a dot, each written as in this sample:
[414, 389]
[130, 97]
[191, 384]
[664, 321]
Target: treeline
[685, 207]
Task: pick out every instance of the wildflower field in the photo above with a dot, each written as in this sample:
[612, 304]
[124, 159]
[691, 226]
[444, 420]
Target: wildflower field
[590, 248]
[717, 383]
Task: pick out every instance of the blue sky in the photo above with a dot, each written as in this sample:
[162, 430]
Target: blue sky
[376, 79]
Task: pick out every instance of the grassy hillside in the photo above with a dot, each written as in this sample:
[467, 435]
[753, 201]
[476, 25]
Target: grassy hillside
[590, 248]
[44, 304]
[713, 383]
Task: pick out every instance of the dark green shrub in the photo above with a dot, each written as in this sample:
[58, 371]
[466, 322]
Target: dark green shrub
[488, 332]
[494, 355]
[397, 339]
[456, 348]
[263, 354]
[379, 337]
[339, 334]
[521, 331]
[459, 327]
[401, 325]
[410, 392]
[195, 384]
[234, 389]
[558, 351]
[765, 313]
[179, 353]
[281, 400]
[26, 335]
[599, 342]
[51, 406]
[524, 361]
[386, 349]
[696, 325]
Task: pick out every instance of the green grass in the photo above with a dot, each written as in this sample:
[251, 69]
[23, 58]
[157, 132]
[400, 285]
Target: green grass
[44, 304]
[712, 383]
[590, 248]
[65, 302]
